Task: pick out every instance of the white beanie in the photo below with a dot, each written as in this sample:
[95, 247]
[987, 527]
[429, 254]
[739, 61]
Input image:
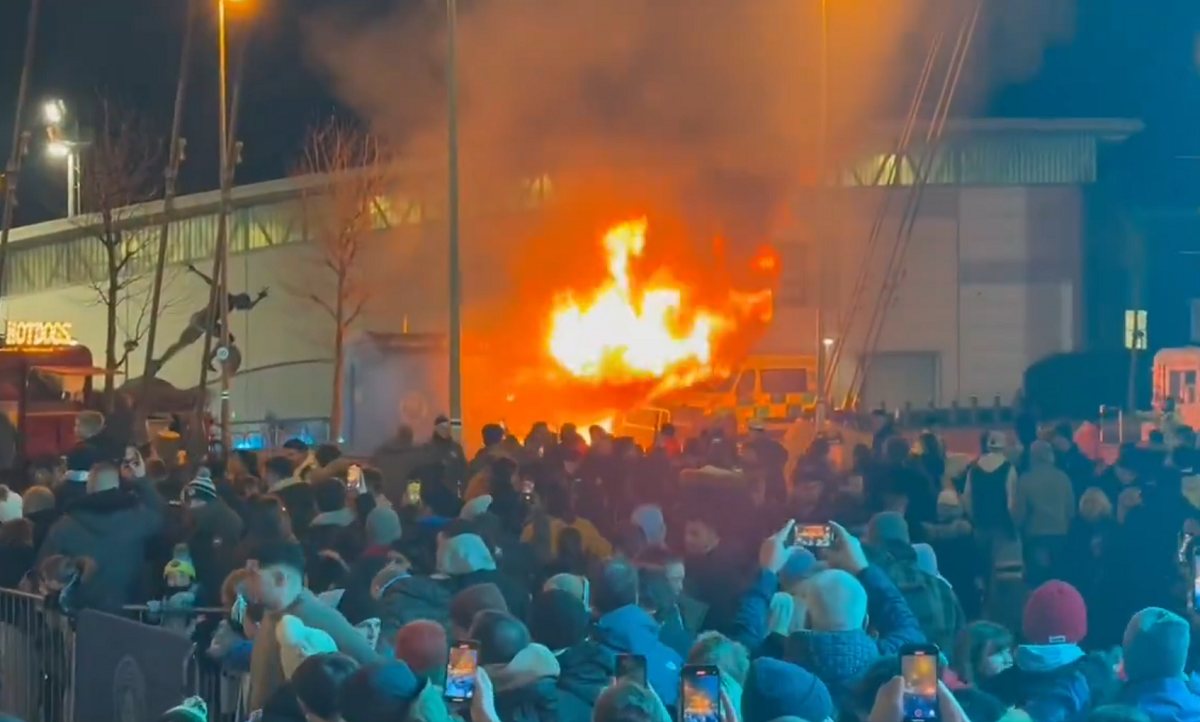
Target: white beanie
[298, 642]
[11, 505]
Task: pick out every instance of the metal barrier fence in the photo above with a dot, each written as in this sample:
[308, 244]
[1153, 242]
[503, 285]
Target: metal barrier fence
[96, 667]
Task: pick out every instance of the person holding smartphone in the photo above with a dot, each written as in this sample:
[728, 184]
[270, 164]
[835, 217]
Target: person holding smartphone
[838, 600]
[111, 526]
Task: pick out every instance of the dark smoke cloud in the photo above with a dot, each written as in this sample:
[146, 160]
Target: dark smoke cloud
[675, 108]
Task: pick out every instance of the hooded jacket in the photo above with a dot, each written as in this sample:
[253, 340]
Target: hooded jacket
[1054, 682]
[215, 532]
[586, 670]
[930, 598]
[1164, 700]
[526, 688]
[112, 528]
[630, 630]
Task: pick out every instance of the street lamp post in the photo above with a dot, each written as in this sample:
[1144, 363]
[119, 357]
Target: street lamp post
[452, 216]
[65, 147]
[820, 337]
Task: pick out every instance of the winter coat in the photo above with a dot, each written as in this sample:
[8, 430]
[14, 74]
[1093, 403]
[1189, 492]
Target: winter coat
[298, 499]
[266, 668]
[630, 630]
[112, 528]
[335, 532]
[586, 670]
[1055, 683]
[1164, 700]
[212, 541]
[526, 688]
[1045, 502]
[838, 658]
[929, 597]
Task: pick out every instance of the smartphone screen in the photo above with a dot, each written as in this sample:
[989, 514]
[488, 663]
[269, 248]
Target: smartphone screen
[460, 672]
[354, 477]
[632, 667]
[1185, 544]
[527, 489]
[814, 535]
[919, 667]
[412, 494]
[701, 697]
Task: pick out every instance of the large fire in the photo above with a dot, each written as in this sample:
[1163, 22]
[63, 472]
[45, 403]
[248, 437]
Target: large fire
[626, 331]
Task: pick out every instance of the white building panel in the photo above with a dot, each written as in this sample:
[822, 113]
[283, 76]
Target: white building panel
[924, 311]
[993, 224]
[992, 336]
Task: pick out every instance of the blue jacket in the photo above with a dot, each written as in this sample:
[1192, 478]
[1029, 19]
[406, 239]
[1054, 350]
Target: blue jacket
[1164, 700]
[1054, 683]
[629, 630]
[839, 658]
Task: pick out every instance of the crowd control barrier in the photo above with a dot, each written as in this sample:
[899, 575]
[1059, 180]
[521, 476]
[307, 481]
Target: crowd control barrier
[97, 667]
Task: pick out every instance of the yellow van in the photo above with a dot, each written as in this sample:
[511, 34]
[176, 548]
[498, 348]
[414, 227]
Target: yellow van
[774, 390]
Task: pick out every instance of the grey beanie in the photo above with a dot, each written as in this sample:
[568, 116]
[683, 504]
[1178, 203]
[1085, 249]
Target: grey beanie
[1156, 645]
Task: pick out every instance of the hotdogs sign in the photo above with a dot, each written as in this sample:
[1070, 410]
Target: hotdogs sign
[38, 333]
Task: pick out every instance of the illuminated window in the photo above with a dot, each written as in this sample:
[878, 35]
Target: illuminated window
[1135, 329]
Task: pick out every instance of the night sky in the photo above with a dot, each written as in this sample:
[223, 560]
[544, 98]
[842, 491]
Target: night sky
[1129, 58]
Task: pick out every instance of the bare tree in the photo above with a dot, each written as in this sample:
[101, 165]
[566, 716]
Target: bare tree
[343, 204]
[120, 168]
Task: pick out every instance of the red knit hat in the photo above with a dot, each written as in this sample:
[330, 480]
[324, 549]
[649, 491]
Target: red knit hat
[422, 646]
[1054, 614]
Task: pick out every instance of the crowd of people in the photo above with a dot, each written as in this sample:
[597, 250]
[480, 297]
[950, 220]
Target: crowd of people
[1055, 587]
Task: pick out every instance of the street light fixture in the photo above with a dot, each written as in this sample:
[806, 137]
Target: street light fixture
[62, 145]
[54, 111]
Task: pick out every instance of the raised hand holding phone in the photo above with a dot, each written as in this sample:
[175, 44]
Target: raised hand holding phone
[776, 549]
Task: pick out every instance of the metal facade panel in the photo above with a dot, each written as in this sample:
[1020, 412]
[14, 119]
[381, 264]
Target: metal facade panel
[993, 224]
[896, 379]
[992, 337]
[924, 310]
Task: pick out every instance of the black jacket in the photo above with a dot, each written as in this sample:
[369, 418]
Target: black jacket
[111, 528]
[587, 669]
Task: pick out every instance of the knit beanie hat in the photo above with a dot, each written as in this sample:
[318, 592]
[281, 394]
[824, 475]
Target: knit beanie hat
[379, 691]
[777, 689]
[1156, 645]
[298, 642]
[1054, 614]
[201, 488]
[558, 619]
[473, 600]
[423, 647]
[383, 526]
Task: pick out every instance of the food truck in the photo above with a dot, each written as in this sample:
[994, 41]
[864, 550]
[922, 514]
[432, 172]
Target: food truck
[46, 379]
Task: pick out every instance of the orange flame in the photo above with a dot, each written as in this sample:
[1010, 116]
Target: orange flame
[625, 334]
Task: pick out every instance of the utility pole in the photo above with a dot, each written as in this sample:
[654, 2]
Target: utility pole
[16, 153]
